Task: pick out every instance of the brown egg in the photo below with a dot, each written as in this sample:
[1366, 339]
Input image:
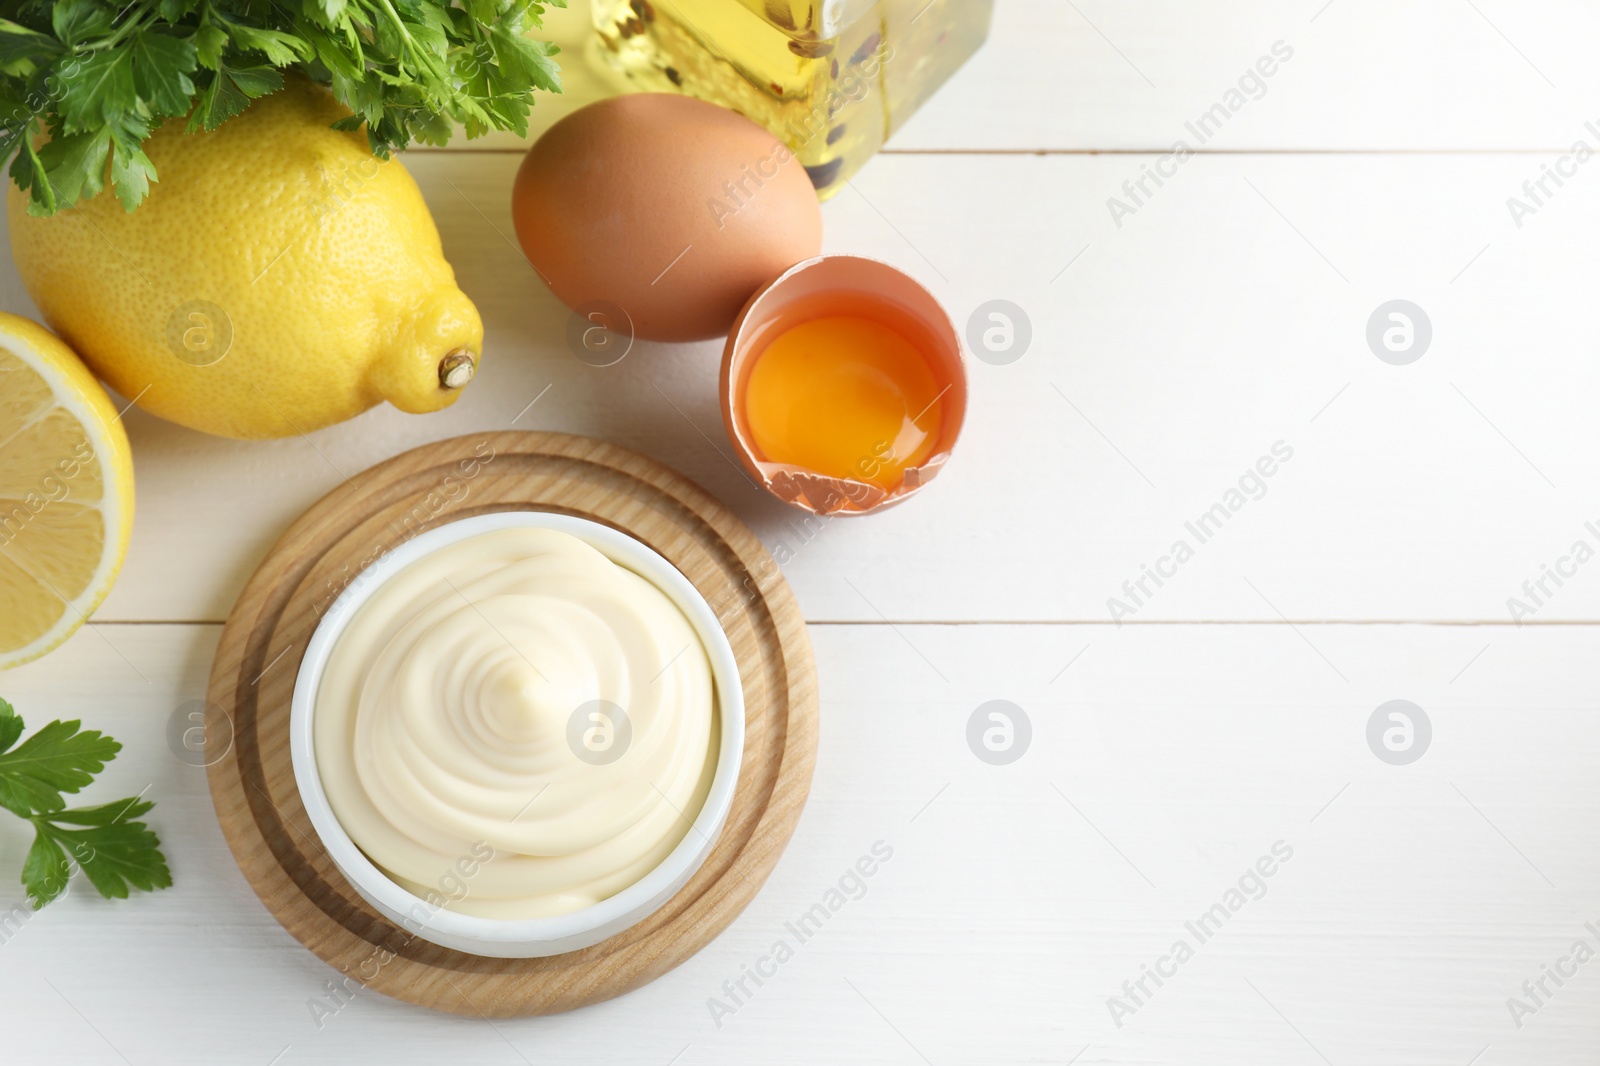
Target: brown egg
[673, 210]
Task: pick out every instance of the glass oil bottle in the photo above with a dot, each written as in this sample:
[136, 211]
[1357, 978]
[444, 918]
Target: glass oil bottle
[833, 79]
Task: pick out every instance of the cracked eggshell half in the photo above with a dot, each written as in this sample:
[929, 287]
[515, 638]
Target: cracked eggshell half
[807, 290]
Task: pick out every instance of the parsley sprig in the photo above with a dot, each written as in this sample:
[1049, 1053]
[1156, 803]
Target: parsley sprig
[98, 75]
[114, 851]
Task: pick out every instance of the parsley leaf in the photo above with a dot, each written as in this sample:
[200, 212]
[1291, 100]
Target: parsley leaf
[100, 75]
[10, 726]
[162, 64]
[27, 170]
[58, 758]
[45, 871]
[228, 94]
[115, 851]
[209, 42]
[73, 168]
[20, 46]
[131, 170]
[75, 21]
[280, 49]
[102, 86]
[525, 61]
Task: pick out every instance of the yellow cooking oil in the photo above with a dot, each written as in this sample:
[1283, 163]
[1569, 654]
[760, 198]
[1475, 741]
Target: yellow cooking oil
[831, 78]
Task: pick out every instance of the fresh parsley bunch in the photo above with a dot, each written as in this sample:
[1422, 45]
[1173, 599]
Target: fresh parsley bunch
[99, 75]
[113, 851]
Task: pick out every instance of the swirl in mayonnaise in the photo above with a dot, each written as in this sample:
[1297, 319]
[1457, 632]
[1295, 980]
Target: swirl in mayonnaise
[457, 708]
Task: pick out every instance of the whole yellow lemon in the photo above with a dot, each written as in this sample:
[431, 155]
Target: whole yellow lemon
[278, 279]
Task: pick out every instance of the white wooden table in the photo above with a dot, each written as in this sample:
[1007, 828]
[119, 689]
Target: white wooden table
[1169, 754]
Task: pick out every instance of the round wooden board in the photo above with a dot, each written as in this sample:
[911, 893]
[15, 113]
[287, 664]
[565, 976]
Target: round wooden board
[252, 678]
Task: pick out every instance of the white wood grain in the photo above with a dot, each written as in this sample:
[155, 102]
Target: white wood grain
[1228, 314]
[1365, 75]
[1415, 903]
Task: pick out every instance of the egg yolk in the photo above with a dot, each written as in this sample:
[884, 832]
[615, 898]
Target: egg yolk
[846, 397]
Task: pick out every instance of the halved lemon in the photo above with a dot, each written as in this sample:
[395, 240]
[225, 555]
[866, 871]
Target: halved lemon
[66, 491]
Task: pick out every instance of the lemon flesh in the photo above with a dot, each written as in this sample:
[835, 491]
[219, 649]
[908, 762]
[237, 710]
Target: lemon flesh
[66, 492]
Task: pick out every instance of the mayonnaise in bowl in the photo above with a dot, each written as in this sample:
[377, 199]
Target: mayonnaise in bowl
[526, 734]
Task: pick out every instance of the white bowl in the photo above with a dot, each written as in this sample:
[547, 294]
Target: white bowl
[527, 938]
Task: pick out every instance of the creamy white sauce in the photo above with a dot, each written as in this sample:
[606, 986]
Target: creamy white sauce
[445, 722]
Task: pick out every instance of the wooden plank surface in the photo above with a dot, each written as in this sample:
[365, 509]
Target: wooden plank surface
[1164, 762]
[1365, 76]
[1170, 353]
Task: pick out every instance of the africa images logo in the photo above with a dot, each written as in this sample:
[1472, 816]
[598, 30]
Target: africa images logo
[1250, 886]
[1251, 85]
[1251, 485]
